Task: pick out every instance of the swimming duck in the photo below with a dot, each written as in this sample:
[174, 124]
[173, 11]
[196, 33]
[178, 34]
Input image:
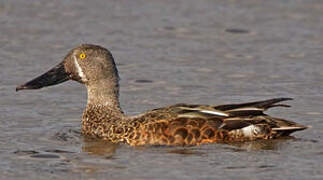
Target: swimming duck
[179, 124]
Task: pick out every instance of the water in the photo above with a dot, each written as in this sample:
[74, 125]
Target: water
[205, 51]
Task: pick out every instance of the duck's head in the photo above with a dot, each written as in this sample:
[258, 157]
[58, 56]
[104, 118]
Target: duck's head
[87, 64]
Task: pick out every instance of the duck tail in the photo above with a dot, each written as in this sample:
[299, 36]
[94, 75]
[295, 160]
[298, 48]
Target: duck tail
[287, 130]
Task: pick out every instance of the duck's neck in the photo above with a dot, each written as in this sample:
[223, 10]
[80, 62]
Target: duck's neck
[104, 93]
[103, 113]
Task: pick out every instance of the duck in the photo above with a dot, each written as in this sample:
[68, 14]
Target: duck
[174, 125]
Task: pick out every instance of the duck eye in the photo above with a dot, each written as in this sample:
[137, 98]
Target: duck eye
[82, 56]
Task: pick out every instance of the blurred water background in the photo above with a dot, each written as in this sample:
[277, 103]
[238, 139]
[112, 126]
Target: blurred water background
[206, 51]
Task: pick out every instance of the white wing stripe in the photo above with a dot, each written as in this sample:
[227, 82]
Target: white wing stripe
[246, 109]
[218, 113]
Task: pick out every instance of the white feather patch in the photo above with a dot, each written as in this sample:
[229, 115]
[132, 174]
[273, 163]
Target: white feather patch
[218, 113]
[79, 69]
[249, 130]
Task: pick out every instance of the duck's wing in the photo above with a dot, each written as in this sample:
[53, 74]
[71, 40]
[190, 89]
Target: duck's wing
[257, 105]
[196, 124]
[254, 111]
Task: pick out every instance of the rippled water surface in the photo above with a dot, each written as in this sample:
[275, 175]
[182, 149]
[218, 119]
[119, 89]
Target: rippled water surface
[206, 51]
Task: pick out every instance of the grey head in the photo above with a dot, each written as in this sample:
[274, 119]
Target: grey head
[88, 64]
[91, 65]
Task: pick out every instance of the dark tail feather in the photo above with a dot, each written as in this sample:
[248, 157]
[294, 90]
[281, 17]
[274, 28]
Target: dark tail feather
[257, 104]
